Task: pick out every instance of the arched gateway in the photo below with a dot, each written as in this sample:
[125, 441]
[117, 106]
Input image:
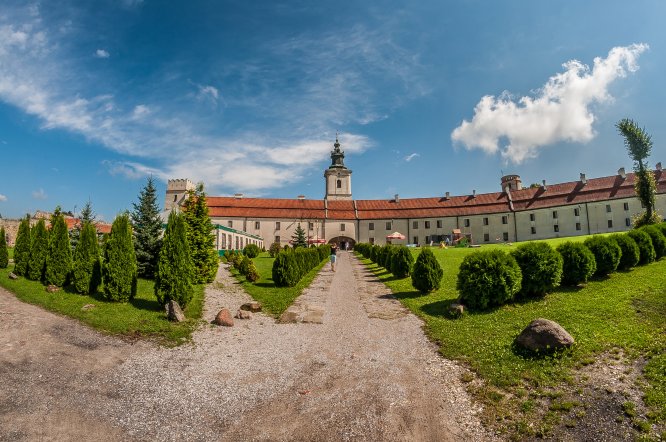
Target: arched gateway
[343, 242]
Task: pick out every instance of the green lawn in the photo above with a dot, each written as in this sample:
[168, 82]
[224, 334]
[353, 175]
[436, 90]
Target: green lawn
[274, 300]
[624, 311]
[141, 317]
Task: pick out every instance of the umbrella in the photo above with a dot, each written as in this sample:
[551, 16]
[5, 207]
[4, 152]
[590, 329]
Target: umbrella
[316, 240]
[395, 235]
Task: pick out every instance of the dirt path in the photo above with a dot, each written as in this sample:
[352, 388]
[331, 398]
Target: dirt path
[367, 372]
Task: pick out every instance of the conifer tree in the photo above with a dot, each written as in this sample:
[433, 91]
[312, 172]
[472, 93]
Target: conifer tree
[147, 227]
[119, 268]
[299, 239]
[59, 256]
[87, 272]
[87, 215]
[200, 236]
[39, 248]
[427, 273]
[175, 270]
[4, 252]
[22, 247]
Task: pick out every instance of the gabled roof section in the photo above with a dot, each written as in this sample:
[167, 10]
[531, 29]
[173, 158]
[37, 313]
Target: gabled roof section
[265, 208]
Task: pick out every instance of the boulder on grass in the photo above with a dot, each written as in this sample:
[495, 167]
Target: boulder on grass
[456, 310]
[253, 306]
[543, 335]
[13, 275]
[174, 312]
[224, 318]
[52, 288]
[243, 314]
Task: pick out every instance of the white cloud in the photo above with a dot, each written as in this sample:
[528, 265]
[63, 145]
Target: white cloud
[140, 111]
[410, 157]
[559, 111]
[208, 93]
[101, 53]
[3, 197]
[39, 194]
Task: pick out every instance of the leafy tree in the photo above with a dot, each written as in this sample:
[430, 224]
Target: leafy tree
[119, 270]
[147, 227]
[59, 256]
[299, 239]
[578, 263]
[39, 248]
[22, 247]
[4, 252]
[200, 236]
[87, 272]
[427, 273]
[639, 145]
[175, 270]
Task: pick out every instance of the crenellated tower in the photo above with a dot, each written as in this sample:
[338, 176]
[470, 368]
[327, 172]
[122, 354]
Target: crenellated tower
[177, 193]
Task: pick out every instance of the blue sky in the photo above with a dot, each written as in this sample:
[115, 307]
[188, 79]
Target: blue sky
[428, 96]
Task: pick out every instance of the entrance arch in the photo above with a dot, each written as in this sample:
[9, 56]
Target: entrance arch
[341, 241]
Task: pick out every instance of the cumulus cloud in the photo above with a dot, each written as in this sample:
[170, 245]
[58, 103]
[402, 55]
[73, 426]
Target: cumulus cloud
[39, 194]
[102, 53]
[410, 157]
[3, 197]
[560, 111]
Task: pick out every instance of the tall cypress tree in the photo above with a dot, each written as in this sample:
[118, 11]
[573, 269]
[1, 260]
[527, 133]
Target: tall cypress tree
[4, 253]
[59, 256]
[87, 272]
[175, 270]
[87, 215]
[39, 248]
[147, 227]
[119, 268]
[200, 236]
[22, 247]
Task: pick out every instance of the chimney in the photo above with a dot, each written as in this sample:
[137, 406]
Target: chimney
[543, 185]
[397, 198]
[658, 166]
[583, 179]
[622, 173]
[448, 195]
[238, 196]
[301, 197]
[474, 193]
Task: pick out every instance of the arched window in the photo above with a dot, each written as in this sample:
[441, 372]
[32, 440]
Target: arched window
[339, 184]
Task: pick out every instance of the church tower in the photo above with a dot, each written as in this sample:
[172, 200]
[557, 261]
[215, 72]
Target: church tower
[338, 177]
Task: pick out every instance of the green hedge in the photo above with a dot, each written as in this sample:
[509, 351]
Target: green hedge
[658, 240]
[578, 263]
[541, 267]
[645, 246]
[606, 254]
[488, 279]
[292, 265]
[631, 255]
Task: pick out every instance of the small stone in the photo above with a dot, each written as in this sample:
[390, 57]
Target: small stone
[224, 318]
[174, 312]
[544, 335]
[456, 309]
[253, 306]
[87, 307]
[13, 275]
[52, 288]
[243, 314]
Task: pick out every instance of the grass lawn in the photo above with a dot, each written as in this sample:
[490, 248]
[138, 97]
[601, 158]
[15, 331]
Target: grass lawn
[274, 300]
[141, 317]
[625, 311]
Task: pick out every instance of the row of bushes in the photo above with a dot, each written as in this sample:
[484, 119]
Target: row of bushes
[291, 265]
[243, 262]
[494, 277]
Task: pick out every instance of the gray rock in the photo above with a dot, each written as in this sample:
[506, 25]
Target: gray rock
[52, 288]
[174, 312]
[456, 309]
[243, 314]
[13, 275]
[253, 306]
[224, 318]
[544, 335]
[87, 307]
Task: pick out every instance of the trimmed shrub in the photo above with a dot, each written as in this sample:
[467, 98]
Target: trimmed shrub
[578, 263]
[59, 256]
[285, 270]
[662, 227]
[252, 274]
[274, 249]
[87, 270]
[39, 247]
[374, 253]
[541, 267]
[119, 270]
[402, 262]
[606, 254]
[645, 246]
[4, 251]
[488, 279]
[244, 265]
[387, 254]
[630, 253]
[251, 251]
[22, 247]
[658, 240]
[427, 274]
[175, 269]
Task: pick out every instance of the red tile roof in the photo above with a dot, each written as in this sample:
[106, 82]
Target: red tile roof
[101, 227]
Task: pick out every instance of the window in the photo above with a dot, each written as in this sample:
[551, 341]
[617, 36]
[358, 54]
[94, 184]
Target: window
[610, 223]
[230, 223]
[277, 239]
[533, 230]
[485, 221]
[339, 184]
[388, 226]
[416, 240]
[342, 227]
[608, 208]
[532, 217]
[505, 236]
[486, 237]
[372, 240]
[577, 226]
[277, 225]
[556, 228]
[554, 214]
[311, 226]
[466, 222]
[427, 224]
[627, 222]
[175, 197]
[626, 206]
[439, 223]
[415, 224]
[505, 219]
[371, 226]
[257, 225]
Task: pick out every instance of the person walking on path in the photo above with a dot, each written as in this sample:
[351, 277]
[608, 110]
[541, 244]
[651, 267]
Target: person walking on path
[334, 251]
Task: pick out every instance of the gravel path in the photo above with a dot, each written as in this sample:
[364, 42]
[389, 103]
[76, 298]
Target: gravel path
[367, 372]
